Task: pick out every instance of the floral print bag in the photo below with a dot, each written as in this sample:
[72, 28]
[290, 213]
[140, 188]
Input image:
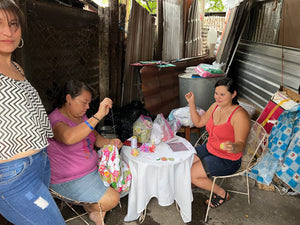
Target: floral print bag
[114, 171]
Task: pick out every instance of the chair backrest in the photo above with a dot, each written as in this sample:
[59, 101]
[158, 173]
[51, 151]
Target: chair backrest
[202, 139]
[256, 146]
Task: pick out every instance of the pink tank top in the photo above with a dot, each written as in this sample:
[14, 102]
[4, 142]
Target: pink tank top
[219, 134]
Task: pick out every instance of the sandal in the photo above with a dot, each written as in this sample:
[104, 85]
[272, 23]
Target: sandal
[215, 201]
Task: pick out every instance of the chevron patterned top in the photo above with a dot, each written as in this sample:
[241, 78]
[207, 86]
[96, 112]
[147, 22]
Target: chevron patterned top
[24, 123]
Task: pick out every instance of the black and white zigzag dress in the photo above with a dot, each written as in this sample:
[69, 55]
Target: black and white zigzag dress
[24, 123]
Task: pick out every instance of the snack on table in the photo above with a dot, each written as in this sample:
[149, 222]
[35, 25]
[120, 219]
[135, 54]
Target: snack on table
[135, 152]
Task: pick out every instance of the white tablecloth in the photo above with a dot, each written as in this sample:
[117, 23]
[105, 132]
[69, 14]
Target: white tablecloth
[166, 180]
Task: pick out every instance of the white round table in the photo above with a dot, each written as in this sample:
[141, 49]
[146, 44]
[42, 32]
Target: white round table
[166, 180]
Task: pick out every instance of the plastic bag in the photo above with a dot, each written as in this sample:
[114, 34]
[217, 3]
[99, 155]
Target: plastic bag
[142, 128]
[175, 125]
[161, 130]
[113, 171]
[183, 116]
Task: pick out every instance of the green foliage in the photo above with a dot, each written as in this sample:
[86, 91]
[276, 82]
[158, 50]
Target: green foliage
[150, 5]
[210, 5]
[214, 6]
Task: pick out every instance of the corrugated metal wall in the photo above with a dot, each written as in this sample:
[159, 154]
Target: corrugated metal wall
[140, 43]
[193, 38]
[264, 22]
[258, 70]
[173, 30]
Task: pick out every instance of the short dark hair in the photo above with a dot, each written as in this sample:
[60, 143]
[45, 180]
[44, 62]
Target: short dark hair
[73, 88]
[9, 6]
[231, 87]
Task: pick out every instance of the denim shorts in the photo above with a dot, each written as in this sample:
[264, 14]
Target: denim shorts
[89, 188]
[214, 165]
[24, 191]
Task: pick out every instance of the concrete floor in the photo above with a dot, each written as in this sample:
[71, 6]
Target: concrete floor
[266, 208]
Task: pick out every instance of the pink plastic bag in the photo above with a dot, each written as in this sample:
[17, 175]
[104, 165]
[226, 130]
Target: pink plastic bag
[161, 130]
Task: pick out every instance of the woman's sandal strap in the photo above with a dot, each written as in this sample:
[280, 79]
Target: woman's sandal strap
[215, 201]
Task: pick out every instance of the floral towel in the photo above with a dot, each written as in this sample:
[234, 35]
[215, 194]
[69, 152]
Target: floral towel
[283, 158]
[114, 171]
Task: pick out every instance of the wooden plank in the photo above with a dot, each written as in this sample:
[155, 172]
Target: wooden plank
[114, 41]
[293, 95]
[103, 52]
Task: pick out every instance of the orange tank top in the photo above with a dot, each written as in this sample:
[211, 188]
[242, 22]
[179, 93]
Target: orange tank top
[219, 134]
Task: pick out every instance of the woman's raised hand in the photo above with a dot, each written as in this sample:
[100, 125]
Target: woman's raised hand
[190, 97]
[104, 107]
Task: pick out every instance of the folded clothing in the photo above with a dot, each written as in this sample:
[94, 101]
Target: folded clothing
[207, 70]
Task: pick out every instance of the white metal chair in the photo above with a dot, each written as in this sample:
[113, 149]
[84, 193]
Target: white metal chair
[69, 202]
[256, 147]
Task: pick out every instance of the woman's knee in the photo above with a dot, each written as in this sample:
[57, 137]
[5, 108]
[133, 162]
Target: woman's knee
[196, 158]
[115, 196]
[110, 199]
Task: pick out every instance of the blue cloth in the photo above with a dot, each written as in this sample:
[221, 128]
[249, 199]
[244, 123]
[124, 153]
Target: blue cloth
[283, 158]
[24, 190]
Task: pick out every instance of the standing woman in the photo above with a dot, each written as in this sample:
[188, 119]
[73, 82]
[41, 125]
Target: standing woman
[24, 129]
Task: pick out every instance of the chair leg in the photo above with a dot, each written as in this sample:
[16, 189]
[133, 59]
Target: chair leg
[78, 215]
[101, 214]
[177, 206]
[143, 216]
[209, 201]
[248, 191]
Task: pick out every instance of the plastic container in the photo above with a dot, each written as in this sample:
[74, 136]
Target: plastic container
[202, 87]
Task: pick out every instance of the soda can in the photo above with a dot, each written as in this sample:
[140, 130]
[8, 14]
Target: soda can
[133, 142]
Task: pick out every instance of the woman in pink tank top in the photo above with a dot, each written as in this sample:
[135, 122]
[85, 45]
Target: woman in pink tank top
[228, 126]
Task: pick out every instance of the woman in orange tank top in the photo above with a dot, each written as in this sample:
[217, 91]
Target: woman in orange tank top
[228, 126]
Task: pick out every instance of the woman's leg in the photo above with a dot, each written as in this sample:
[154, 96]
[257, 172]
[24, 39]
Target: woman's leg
[200, 179]
[109, 200]
[25, 199]
[90, 188]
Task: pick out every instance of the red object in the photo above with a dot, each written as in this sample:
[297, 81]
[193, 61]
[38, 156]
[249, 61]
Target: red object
[271, 112]
[128, 143]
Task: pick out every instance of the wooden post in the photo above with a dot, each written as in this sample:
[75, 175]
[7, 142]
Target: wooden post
[160, 31]
[122, 20]
[114, 38]
[103, 52]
